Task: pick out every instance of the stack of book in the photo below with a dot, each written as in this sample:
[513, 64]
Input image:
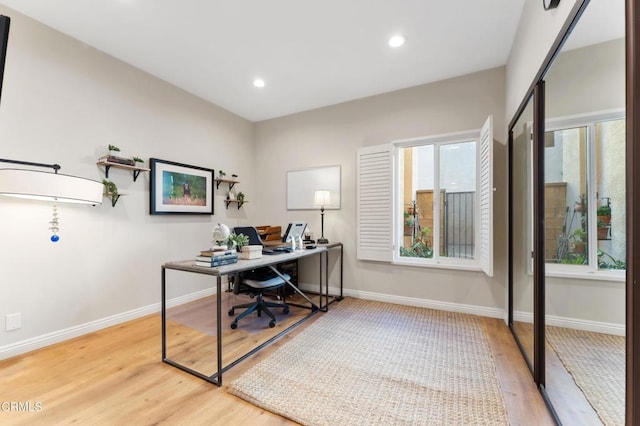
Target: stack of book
[212, 259]
[118, 160]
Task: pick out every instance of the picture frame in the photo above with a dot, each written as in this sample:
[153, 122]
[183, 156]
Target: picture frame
[177, 188]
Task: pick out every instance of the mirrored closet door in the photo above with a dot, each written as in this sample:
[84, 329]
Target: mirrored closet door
[584, 220]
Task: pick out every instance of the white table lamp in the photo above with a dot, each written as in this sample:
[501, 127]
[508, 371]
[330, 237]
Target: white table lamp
[322, 198]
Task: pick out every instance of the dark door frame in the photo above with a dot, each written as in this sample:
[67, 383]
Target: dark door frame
[632, 35]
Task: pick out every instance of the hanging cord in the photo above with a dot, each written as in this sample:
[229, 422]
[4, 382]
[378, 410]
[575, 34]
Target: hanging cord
[55, 225]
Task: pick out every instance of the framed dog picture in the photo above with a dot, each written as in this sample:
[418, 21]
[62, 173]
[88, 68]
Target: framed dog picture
[180, 188]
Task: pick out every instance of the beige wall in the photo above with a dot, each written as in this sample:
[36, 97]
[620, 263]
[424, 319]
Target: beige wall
[65, 102]
[332, 135]
[537, 30]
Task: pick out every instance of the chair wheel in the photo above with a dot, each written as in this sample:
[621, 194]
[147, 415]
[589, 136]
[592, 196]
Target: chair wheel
[272, 323]
[231, 312]
[285, 310]
[234, 325]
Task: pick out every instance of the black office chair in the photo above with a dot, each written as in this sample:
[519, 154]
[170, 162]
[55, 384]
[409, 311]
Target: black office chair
[257, 281]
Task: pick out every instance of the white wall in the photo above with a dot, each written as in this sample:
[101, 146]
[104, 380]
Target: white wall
[65, 102]
[537, 30]
[332, 135]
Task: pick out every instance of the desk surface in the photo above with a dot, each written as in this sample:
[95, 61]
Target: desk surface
[245, 264]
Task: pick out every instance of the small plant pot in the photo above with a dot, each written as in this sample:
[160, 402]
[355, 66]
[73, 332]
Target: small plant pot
[603, 233]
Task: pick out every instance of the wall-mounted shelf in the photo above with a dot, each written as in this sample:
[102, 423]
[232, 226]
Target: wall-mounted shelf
[135, 169]
[230, 182]
[114, 199]
[239, 203]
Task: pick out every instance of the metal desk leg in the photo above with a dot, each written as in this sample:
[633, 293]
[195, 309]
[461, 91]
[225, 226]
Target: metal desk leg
[314, 307]
[219, 327]
[164, 314]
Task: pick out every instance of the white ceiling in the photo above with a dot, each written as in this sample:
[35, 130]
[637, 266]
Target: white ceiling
[310, 53]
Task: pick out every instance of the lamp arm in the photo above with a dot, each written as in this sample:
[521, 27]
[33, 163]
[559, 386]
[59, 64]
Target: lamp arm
[55, 167]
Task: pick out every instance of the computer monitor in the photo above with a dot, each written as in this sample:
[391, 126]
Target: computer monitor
[294, 230]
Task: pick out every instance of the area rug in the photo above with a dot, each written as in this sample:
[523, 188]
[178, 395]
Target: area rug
[374, 363]
[596, 362]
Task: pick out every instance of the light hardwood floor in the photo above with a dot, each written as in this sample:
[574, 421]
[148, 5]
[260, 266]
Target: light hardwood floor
[115, 376]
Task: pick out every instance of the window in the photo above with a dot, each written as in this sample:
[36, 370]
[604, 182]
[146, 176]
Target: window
[585, 195]
[428, 201]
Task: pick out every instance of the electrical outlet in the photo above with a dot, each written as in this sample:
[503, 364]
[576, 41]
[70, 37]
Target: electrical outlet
[13, 321]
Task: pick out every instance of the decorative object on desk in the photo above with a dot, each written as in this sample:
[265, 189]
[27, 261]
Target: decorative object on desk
[217, 259]
[322, 198]
[180, 188]
[457, 384]
[45, 186]
[220, 236]
[238, 240]
[251, 252]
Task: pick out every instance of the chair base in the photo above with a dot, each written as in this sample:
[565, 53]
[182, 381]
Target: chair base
[259, 306]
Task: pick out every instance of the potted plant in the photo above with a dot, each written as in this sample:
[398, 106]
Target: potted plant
[138, 160]
[579, 241]
[603, 230]
[221, 174]
[240, 197]
[113, 150]
[110, 188]
[604, 214]
[238, 240]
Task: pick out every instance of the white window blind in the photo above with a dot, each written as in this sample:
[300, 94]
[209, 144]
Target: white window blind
[375, 200]
[485, 177]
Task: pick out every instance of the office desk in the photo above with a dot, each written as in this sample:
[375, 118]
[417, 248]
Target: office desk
[269, 261]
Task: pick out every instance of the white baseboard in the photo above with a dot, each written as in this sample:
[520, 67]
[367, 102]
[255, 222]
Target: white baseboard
[575, 323]
[482, 311]
[28, 345]
[587, 325]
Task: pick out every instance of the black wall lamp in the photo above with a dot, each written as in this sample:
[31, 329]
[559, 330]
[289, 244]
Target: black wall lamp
[550, 4]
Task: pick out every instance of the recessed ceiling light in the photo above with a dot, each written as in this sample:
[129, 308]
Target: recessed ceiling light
[397, 40]
[258, 82]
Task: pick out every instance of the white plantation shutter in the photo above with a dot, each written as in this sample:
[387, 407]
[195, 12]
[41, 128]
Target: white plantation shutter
[485, 176]
[374, 198]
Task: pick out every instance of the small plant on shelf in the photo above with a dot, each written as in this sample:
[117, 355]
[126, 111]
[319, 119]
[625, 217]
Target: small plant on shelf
[221, 174]
[138, 160]
[240, 197]
[110, 188]
[113, 148]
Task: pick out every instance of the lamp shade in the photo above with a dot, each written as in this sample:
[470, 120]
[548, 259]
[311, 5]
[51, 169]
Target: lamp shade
[321, 198]
[47, 186]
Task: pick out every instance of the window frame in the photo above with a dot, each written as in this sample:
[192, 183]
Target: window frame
[398, 202]
[590, 271]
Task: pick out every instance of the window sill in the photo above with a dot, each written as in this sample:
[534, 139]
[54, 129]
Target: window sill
[438, 264]
[600, 275]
